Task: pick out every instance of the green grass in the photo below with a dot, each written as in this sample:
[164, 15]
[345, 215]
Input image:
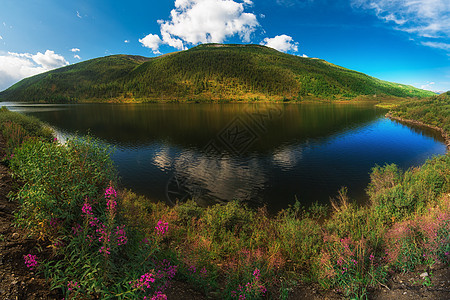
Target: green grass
[205, 73]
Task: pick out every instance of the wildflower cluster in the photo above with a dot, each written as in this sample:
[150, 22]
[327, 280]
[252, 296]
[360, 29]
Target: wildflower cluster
[202, 273]
[165, 272]
[104, 232]
[158, 296]
[111, 203]
[148, 282]
[252, 289]
[161, 227]
[110, 193]
[121, 235]
[30, 261]
[144, 282]
[72, 285]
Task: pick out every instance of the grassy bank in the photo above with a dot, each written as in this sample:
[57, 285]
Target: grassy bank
[112, 243]
[432, 112]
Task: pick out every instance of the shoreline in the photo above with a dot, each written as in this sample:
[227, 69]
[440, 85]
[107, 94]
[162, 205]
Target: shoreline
[443, 133]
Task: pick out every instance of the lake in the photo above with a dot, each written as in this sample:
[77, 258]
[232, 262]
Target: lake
[267, 154]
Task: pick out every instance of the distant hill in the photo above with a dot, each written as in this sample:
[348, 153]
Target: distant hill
[207, 72]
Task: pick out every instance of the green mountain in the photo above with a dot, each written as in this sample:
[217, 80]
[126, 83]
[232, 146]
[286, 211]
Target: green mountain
[207, 72]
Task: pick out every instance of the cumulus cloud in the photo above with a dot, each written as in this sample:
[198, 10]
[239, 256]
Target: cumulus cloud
[75, 50]
[49, 60]
[76, 56]
[1, 38]
[204, 21]
[16, 66]
[282, 43]
[152, 41]
[126, 41]
[426, 18]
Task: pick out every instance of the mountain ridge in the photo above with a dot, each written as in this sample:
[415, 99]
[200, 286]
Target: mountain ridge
[208, 72]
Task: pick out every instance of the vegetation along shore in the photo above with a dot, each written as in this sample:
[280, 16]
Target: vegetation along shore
[95, 239]
[433, 112]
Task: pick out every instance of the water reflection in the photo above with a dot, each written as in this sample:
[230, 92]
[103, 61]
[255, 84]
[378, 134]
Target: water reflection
[287, 157]
[303, 151]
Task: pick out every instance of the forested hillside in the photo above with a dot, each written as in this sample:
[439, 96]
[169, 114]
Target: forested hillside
[207, 72]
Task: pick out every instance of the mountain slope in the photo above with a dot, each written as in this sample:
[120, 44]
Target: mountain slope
[206, 72]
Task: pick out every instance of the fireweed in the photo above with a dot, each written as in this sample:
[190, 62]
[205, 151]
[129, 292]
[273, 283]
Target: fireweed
[108, 234]
[349, 266]
[161, 228]
[423, 240]
[253, 289]
[153, 283]
[30, 261]
[72, 285]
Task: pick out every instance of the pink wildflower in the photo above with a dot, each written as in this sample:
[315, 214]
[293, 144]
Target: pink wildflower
[161, 227]
[30, 261]
[72, 285]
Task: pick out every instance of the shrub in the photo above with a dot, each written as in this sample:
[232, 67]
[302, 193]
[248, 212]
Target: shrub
[57, 181]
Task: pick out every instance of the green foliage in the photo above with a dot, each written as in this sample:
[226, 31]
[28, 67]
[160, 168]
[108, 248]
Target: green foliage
[350, 266]
[188, 212]
[16, 128]
[300, 239]
[58, 179]
[434, 111]
[395, 195]
[204, 73]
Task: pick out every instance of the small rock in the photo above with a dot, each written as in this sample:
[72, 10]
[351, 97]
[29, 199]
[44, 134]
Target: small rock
[15, 235]
[404, 293]
[424, 274]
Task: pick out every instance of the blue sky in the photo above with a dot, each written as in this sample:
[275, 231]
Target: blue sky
[405, 41]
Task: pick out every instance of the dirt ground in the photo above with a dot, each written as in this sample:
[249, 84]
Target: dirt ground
[17, 282]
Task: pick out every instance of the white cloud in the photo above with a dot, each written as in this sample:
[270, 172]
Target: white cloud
[78, 15]
[49, 60]
[282, 43]
[126, 41]
[75, 50]
[16, 66]
[205, 21]
[443, 46]
[151, 41]
[428, 86]
[305, 56]
[424, 18]
[76, 56]
[1, 38]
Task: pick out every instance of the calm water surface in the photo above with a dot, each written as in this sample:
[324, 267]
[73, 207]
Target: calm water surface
[270, 154]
